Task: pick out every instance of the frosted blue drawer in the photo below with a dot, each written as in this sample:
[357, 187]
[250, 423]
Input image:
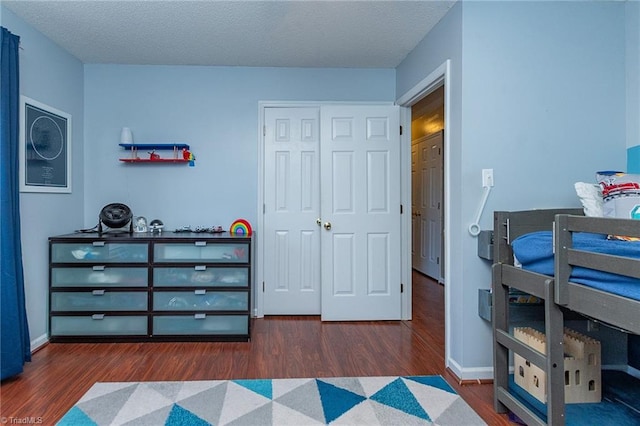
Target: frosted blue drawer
[200, 276]
[99, 251]
[200, 324]
[99, 325]
[103, 276]
[201, 251]
[200, 300]
[99, 300]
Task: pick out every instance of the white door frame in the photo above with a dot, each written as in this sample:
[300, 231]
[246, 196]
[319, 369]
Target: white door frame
[441, 75]
[258, 279]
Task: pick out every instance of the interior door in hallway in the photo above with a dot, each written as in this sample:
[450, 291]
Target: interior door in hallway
[292, 207]
[360, 211]
[418, 260]
[427, 203]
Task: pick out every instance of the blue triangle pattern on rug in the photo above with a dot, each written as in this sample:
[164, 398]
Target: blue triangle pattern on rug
[260, 386]
[336, 401]
[397, 395]
[433, 381]
[76, 416]
[182, 417]
[381, 401]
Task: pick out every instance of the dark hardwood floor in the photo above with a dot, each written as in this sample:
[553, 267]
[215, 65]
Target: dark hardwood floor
[280, 347]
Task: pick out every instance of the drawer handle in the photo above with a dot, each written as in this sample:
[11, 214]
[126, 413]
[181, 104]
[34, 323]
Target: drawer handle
[200, 268]
[200, 316]
[98, 243]
[98, 292]
[98, 268]
[200, 291]
[200, 243]
[97, 316]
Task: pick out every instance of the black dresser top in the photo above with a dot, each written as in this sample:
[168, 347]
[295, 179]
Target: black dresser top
[115, 236]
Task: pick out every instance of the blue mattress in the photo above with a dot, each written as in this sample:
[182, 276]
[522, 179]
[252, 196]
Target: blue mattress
[535, 252]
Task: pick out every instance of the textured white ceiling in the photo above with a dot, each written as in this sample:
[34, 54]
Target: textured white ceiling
[302, 33]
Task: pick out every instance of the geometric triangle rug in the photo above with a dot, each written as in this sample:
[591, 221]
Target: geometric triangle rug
[411, 400]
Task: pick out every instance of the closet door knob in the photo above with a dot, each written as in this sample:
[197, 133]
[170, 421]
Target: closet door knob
[327, 226]
[318, 221]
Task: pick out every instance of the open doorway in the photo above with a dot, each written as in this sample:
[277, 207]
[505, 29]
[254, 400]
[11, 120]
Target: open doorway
[427, 211]
[437, 79]
[427, 184]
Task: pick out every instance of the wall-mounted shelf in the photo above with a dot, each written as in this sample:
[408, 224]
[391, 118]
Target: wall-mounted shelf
[177, 148]
[147, 160]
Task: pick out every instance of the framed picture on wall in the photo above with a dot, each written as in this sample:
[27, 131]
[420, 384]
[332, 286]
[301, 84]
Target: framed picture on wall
[45, 148]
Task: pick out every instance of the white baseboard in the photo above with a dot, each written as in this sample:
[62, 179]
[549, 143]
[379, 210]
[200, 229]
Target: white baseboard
[476, 373]
[37, 342]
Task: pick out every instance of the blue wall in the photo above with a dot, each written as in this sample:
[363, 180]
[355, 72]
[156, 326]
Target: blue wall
[543, 105]
[633, 86]
[52, 76]
[533, 84]
[633, 122]
[215, 111]
[445, 42]
[542, 102]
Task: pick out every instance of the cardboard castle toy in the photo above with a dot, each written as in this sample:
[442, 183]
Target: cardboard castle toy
[582, 366]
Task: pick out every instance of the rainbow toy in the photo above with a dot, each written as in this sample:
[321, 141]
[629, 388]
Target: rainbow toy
[240, 227]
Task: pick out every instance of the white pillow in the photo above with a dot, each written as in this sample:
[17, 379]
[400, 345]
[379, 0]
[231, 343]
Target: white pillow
[590, 196]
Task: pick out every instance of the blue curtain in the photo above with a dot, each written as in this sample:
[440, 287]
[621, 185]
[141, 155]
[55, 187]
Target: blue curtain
[15, 348]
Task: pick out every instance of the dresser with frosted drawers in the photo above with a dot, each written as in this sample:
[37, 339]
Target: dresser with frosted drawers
[146, 287]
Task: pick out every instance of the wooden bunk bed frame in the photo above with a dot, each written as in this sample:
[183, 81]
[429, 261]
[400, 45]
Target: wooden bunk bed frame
[558, 293]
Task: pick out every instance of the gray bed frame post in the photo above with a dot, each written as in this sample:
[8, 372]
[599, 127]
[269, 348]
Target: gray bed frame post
[554, 330]
[502, 252]
[500, 311]
[562, 270]
[500, 319]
